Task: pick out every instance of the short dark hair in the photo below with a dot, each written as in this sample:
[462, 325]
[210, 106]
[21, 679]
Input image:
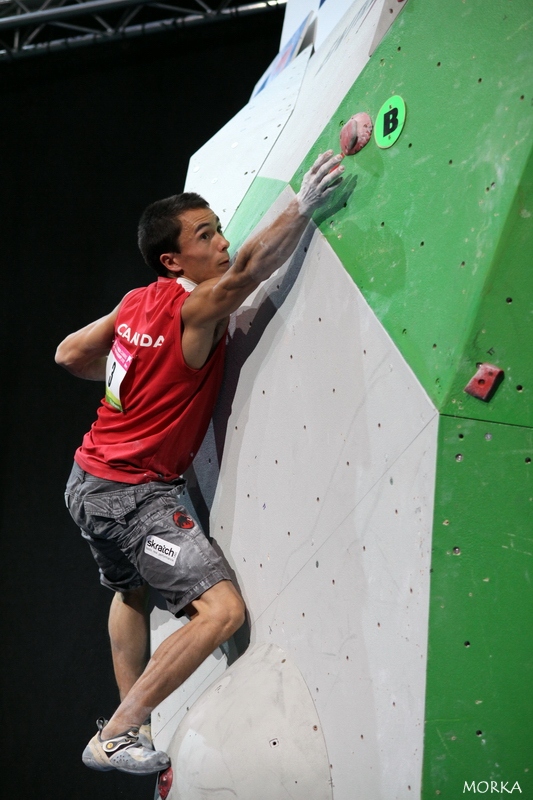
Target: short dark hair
[160, 227]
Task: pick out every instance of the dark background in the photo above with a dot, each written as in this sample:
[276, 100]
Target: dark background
[89, 138]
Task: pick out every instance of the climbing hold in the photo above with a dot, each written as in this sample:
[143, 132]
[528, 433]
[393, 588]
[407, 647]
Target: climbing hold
[355, 133]
[485, 382]
[164, 783]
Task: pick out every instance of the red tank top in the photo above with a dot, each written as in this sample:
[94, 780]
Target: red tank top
[166, 404]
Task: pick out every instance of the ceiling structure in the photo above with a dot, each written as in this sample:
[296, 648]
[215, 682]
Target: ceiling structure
[33, 27]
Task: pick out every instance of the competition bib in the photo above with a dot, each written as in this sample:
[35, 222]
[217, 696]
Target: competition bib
[118, 363]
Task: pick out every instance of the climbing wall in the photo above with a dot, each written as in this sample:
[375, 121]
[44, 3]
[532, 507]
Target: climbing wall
[377, 518]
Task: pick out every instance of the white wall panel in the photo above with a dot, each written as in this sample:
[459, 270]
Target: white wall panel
[311, 418]
[295, 13]
[324, 509]
[302, 37]
[329, 15]
[354, 618]
[331, 72]
[224, 168]
[254, 734]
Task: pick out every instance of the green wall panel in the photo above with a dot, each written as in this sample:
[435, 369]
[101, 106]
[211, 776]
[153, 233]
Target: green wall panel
[260, 196]
[426, 227]
[502, 328]
[479, 706]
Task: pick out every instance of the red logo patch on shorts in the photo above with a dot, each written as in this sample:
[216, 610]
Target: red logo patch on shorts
[183, 521]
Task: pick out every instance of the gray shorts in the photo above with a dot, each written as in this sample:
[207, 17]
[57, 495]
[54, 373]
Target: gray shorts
[143, 534]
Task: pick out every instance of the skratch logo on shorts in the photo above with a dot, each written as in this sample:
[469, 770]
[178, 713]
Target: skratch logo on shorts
[183, 520]
[162, 550]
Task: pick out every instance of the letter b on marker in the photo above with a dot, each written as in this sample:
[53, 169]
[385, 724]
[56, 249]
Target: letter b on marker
[390, 121]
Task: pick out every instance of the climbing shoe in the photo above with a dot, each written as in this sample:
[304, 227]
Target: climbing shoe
[123, 752]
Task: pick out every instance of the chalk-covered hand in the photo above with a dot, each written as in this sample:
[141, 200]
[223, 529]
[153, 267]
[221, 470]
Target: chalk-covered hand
[323, 177]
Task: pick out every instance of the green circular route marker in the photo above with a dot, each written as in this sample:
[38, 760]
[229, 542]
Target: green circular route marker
[390, 121]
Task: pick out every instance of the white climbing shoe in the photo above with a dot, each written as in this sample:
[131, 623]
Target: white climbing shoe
[123, 752]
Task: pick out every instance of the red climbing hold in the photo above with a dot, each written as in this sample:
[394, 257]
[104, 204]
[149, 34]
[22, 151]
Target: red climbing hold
[164, 783]
[485, 382]
[355, 133]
